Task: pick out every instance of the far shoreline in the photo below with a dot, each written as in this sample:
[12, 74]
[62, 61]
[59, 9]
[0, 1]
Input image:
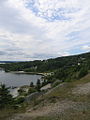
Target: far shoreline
[22, 72]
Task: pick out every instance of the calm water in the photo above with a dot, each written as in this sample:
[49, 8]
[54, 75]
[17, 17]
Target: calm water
[17, 80]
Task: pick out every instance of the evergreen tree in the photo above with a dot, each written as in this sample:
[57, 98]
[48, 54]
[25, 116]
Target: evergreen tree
[31, 84]
[44, 82]
[83, 72]
[38, 86]
[5, 96]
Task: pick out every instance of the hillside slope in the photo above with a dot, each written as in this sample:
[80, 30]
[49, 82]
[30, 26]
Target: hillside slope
[67, 101]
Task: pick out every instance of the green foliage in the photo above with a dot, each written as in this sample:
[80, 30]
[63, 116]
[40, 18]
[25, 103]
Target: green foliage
[21, 91]
[83, 72]
[44, 82]
[38, 85]
[5, 96]
[50, 64]
[57, 82]
[64, 68]
[31, 84]
[31, 90]
[61, 74]
[20, 100]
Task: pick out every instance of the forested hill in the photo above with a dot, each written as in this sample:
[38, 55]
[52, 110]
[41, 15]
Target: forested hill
[50, 64]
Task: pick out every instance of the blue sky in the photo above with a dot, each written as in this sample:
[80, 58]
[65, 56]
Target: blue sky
[41, 29]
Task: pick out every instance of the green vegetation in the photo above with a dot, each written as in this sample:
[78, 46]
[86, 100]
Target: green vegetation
[8, 104]
[50, 64]
[83, 72]
[62, 68]
[32, 90]
[64, 74]
[57, 82]
[5, 97]
[73, 106]
[38, 85]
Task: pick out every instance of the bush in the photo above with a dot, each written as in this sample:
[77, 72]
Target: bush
[32, 90]
[38, 85]
[20, 100]
[57, 82]
[5, 96]
[83, 72]
[21, 91]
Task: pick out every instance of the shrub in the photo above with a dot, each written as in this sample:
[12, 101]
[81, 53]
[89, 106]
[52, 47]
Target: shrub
[83, 72]
[57, 82]
[20, 100]
[31, 90]
[5, 96]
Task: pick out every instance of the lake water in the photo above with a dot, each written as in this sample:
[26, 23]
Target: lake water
[17, 80]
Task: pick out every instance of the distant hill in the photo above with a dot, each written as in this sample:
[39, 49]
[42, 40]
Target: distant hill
[49, 64]
[63, 68]
[9, 61]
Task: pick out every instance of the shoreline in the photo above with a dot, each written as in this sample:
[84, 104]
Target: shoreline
[32, 73]
[22, 72]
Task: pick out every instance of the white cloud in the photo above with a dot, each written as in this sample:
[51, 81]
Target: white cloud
[44, 28]
[86, 48]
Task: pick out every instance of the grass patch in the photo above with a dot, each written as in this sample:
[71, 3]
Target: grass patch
[7, 113]
[65, 91]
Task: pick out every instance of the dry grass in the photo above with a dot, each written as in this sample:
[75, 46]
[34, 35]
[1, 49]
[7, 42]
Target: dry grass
[74, 107]
[61, 103]
[6, 113]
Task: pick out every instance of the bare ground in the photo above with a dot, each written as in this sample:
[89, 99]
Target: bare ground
[59, 107]
[82, 89]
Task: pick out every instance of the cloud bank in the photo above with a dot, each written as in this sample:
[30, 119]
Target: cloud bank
[41, 29]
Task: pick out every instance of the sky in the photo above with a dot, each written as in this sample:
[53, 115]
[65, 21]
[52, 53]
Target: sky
[42, 29]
